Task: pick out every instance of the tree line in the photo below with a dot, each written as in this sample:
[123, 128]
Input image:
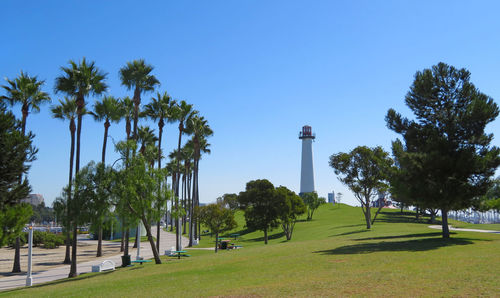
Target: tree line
[136, 186]
[265, 207]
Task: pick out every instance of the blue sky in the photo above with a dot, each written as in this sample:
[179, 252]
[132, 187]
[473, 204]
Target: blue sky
[257, 70]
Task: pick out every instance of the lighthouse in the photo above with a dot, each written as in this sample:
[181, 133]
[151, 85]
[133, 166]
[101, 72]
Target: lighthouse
[306, 171]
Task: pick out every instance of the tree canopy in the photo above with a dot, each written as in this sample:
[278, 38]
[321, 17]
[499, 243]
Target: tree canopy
[365, 171]
[291, 208]
[445, 158]
[261, 205]
[16, 153]
[217, 218]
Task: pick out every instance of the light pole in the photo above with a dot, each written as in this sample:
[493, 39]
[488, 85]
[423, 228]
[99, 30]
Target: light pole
[138, 236]
[29, 279]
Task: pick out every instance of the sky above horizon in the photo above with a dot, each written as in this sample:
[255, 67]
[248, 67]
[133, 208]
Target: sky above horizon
[256, 70]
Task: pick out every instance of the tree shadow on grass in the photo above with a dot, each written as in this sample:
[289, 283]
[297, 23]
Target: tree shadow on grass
[349, 226]
[351, 232]
[432, 234]
[407, 245]
[269, 237]
[405, 217]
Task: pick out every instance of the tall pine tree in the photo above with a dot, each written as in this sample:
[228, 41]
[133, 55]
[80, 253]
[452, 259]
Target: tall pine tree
[445, 158]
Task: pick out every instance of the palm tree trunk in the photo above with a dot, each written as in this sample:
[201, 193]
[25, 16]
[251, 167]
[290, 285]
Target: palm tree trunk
[72, 128]
[184, 187]
[137, 103]
[177, 230]
[158, 227]
[17, 255]
[105, 141]
[198, 192]
[193, 225]
[103, 160]
[80, 105]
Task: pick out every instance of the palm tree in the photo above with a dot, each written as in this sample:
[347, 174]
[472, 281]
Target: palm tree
[172, 169]
[200, 129]
[136, 75]
[80, 80]
[26, 91]
[67, 110]
[187, 156]
[160, 109]
[127, 112]
[108, 110]
[146, 137]
[183, 113]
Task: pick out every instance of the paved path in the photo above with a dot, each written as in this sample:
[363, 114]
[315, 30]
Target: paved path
[167, 240]
[465, 230]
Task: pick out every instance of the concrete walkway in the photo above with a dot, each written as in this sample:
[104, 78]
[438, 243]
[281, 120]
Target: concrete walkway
[167, 240]
[464, 230]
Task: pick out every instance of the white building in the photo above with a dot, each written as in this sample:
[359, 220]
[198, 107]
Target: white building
[33, 199]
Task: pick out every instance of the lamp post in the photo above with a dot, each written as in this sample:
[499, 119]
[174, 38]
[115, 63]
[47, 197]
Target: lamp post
[29, 279]
[138, 236]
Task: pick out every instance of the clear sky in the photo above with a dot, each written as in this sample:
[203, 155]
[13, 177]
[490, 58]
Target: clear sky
[257, 70]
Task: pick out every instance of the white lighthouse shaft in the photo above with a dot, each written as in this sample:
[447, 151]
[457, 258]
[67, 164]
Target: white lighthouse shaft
[307, 172]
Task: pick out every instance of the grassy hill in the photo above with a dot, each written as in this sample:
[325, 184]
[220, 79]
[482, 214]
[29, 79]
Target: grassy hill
[332, 255]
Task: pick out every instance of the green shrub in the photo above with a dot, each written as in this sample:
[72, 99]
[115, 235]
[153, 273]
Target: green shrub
[52, 241]
[38, 238]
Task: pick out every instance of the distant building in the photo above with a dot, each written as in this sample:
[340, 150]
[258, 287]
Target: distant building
[34, 199]
[331, 198]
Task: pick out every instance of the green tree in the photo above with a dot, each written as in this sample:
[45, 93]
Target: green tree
[138, 188]
[182, 113]
[217, 218]
[127, 111]
[107, 110]
[229, 201]
[16, 153]
[79, 81]
[312, 201]
[261, 206]
[366, 172]
[68, 110]
[160, 109]
[291, 208]
[26, 91]
[446, 159]
[137, 75]
[199, 128]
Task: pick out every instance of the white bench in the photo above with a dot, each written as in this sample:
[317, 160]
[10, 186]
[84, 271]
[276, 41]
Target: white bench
[105, 265]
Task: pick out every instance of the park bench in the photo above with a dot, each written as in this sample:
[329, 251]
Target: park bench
[104, 266]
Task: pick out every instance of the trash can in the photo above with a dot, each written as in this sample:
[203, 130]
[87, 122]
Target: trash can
[125, 260]
[223, 245]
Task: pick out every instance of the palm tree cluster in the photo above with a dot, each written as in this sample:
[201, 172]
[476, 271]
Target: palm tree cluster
[82, 80]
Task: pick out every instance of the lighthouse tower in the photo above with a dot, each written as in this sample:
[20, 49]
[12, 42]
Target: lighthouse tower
[306, 172]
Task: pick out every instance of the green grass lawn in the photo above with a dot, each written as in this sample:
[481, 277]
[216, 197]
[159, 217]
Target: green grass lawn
[332, 255]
